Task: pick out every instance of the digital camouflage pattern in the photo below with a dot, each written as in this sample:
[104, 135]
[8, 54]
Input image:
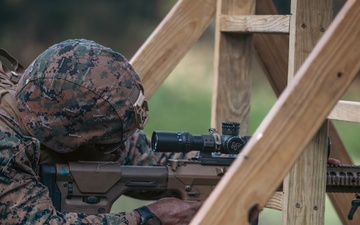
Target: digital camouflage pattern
[137, 151]
[78, 92]
[23, 198]
[65, 74]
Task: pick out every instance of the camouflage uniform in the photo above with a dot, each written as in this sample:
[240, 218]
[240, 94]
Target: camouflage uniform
[77, 93]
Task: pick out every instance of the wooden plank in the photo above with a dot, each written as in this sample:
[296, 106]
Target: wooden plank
[232, 64]
[255, 23]
[348, 111]
[272, 50]
[171, 40]
[273, 54]
[304, 199]
[290, 125]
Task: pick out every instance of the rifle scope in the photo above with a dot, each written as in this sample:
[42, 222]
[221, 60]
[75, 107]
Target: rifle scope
[230, 142]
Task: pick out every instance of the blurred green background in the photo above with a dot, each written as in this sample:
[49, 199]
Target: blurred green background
[183, 102]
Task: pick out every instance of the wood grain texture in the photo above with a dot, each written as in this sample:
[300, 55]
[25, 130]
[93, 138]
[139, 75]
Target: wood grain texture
[348, 111]
[232, 64]
[304, 199]
[297, 116]
[305, 187]
[272, 51]
[273, 55]
[255, 23]
[171, 40]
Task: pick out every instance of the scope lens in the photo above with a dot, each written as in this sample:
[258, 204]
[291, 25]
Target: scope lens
[154, 141]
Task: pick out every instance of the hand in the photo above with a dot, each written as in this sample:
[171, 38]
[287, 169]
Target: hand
[332, 161]
[174, 211]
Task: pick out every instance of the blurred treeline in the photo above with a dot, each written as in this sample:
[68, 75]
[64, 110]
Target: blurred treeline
[29, 27]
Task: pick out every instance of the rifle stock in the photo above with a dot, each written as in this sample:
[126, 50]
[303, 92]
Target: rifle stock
[92, 187]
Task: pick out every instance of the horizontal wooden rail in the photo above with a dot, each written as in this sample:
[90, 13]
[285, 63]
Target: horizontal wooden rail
[255, 23]
[348, 111]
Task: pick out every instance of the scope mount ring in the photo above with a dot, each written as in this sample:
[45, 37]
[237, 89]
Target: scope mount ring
[217, 139]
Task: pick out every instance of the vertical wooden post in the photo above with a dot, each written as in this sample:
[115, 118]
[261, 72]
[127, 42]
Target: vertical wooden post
[273, 54]
[232, 63]
[305, 186]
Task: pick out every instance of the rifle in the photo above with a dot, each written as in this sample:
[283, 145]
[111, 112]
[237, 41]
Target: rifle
[92, 187]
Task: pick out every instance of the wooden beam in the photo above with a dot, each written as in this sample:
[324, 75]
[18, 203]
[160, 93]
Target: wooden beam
[255, 23]
[290, 125]
[171, 40]
[232, 65]
[304, 199]
[348, 111]
[272, 50]
[273, 56]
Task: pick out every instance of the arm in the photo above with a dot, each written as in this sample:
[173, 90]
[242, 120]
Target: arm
[24, 199]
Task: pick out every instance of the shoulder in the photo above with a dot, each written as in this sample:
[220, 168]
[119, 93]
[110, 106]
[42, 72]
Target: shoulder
[17, 150]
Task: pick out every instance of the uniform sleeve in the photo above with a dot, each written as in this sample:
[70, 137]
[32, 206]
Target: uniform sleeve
[24, 199]
[138, 152]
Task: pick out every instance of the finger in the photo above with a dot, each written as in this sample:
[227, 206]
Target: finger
[332, 161]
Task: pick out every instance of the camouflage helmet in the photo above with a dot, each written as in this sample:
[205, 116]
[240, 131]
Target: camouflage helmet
[79, 92]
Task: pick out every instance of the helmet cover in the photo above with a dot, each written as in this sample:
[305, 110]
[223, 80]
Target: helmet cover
[79, 92]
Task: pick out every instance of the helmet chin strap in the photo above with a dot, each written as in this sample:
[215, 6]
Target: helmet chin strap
[141, 111]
